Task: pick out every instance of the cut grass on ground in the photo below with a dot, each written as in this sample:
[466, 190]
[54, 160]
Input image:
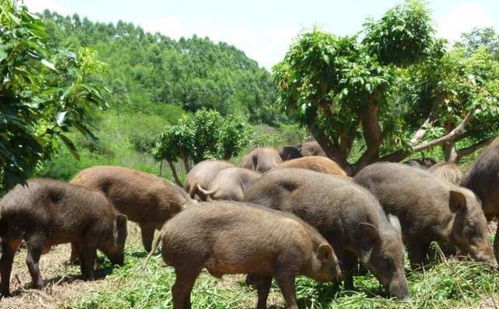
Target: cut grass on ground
[445, 285]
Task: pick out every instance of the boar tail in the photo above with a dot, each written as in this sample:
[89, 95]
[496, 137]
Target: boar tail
[206, 192]
[155, 245]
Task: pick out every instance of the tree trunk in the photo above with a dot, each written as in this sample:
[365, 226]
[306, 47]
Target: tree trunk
[186, 162]
[160, 172]
[450, 152]
[174, 173]
[372, 134]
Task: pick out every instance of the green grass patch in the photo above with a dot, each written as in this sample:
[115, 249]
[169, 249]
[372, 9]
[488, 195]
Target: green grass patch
[445, 285]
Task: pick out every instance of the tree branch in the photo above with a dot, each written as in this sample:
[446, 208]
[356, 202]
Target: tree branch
[471, 149]
[453, 135]
[432, 117]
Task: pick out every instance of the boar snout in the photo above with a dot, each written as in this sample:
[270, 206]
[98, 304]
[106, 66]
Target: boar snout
[399, 289]
[486, 256]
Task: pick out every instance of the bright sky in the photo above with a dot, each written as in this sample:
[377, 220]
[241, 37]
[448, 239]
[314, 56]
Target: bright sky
[264, 29]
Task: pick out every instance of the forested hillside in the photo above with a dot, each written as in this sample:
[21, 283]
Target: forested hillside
[147, 71]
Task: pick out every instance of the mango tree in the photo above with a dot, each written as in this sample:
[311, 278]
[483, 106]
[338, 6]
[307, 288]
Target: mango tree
[43, 93]
[359, 97]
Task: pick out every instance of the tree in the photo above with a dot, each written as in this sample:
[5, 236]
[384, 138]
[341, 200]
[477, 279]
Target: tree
[459, 94]
[203, 135]
[480, 37]
[43, 93]
[356, 93]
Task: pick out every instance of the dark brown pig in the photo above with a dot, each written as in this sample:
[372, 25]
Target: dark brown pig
[312, 148]
[447, 171]
[230, 184]
[429, 210]
[290, 152]
[202, 174]
[262, 159]
[422, 163]
[146, 199]
[46, 213]
[346, 214]
[483, 179]
[238, 238]
[315, 163]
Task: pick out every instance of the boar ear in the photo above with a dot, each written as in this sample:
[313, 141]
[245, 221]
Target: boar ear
[368, 235]
[120, 229]
[457, 202]
[324, 252]
[395, 222]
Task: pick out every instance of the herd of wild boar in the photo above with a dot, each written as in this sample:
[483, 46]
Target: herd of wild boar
[280, 215]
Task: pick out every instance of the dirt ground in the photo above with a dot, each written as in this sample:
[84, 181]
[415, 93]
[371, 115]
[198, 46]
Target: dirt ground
[63, 282]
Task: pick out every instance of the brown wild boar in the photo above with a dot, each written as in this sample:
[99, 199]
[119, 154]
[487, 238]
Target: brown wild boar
[144, 198]
[429, 210]
[447, 171]
[483, 179]
[315, 163]
[262, 159]
[312, 148]
[238, 238]
[202, 174]
[230, 184]
[346, 214]
[46, 213]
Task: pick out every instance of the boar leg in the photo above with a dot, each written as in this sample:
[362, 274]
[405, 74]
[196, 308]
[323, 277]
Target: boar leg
[286, 282]
[35, 249]
[87, 262]
[262, 285]
[417, 250]
[181, 290]
[9, 248]
[349, 262]
[147, 231]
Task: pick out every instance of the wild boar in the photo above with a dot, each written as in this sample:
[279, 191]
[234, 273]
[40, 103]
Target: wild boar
[315, 163]
[290, 152]
[429, 210]
[346, 214]
[483, 179]
[144, 198]
[422, 163]
[312, 148]
[46, 213]
[230, 183]
[262, 159]
[447, 171]
[202, 174]
[238, 238]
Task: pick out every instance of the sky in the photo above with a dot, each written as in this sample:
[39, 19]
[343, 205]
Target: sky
[264, 29]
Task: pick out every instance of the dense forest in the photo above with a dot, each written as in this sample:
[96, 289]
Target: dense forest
[147, 71]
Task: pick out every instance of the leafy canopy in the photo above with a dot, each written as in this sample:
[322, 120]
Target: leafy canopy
[43, 93]
[392, 90]
[203, 135]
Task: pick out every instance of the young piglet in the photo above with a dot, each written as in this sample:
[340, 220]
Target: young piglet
[45, 213]
[239, 238]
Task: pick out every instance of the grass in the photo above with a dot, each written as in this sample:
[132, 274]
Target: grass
[449, 284]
